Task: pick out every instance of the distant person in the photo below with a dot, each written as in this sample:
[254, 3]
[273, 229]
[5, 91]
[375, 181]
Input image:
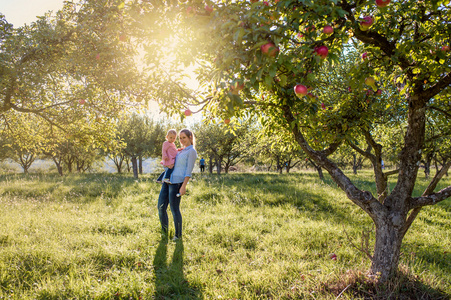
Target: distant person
[382, 164]
[168, 153]
[170, 193]
[202, 164]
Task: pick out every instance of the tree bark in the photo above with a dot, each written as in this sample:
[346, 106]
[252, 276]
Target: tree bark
[279, 166]
[387, 249]
[118, 161]
[140, 164]
[218, 161]
[59, 167]
[135, 166]
[354, 164]
[210, 165]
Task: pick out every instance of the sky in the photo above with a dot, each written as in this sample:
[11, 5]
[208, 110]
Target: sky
[20, 12]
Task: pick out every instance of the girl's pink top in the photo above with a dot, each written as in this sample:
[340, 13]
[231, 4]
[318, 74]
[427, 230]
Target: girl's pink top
[168, 152]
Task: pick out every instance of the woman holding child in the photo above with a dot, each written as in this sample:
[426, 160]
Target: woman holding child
[175, 187]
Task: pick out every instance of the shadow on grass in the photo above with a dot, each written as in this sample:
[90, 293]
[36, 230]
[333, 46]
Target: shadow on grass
[75, 188]
[299, 190]
[431, 256]
[170, 282]
[403, 286]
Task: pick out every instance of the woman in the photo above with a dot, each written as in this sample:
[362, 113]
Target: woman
[171, 193]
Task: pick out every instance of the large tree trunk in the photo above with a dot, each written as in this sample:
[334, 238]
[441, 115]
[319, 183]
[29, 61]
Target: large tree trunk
[135, 166]
[387, 249]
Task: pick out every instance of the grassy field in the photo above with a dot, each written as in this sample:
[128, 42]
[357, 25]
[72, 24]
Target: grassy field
[246, 236]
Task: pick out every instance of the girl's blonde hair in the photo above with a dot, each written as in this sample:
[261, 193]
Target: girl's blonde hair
[171, 131]
[190, 135]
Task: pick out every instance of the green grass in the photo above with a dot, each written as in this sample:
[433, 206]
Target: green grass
[246, 236]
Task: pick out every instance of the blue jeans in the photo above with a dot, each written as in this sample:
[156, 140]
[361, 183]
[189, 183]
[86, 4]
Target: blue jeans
[166, 174]
[168, 195]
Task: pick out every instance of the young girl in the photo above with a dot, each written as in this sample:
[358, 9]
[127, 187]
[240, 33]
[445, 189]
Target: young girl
[168, 153]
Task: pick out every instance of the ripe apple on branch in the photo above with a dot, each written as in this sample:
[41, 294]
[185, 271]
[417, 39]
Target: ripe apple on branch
[300, 90]
[269, 49]
[366, 23]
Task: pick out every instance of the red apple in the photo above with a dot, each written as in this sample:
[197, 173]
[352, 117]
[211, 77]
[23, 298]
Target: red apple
[349, 89]
[333, 256]
[323, 106]
[445, 48]
[328, 29]
[300, 90]
[366, 23]
[188, 112]
[378, 92]
[269, 49]
[306, 159]
[208, 9]
[322, 51]
[365, 55]
[82, 101]
[227, 121]
[253, 1]
[266, 3]
[382, 3]
[310, 95]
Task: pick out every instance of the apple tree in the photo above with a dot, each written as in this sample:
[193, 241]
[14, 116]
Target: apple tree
[74, 70]
[265, 57]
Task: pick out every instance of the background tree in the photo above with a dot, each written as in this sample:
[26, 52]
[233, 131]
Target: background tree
[221, 143]
[23, 144]
[140, 136]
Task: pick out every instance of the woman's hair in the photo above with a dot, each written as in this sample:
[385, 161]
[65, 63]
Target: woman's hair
[190, 135]
[171, 131]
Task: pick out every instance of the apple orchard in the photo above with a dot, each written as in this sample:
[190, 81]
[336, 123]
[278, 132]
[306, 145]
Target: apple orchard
[326, 73]
[329, 74]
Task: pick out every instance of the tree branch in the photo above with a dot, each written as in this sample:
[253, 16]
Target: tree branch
[440, 110]
[363, 199]
[429, 190]
[438, 87]
[430, 198]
